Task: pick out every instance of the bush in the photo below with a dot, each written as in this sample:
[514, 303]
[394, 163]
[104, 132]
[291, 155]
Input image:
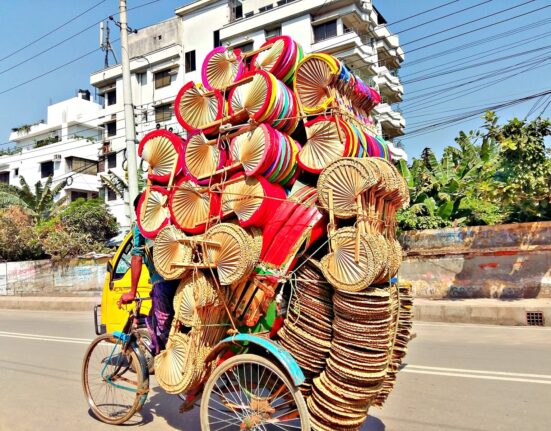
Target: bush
[90, 217]
[18, 237]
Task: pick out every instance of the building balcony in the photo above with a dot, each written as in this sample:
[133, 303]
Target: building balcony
[392, 122]
[389, 85]
[351, 48]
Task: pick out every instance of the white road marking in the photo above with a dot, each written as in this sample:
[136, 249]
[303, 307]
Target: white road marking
[44, 338]
[487, 372]
[477, 326]
[477, 376]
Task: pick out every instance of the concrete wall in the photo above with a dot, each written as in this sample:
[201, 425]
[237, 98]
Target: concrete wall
[80, 277]
[507, 262]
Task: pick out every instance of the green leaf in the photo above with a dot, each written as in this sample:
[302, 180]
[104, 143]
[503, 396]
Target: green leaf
[445, 210]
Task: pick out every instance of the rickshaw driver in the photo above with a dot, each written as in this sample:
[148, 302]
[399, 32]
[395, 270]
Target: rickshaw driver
[162, 294]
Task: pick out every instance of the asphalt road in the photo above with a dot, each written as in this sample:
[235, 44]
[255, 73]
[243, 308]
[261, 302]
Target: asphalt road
[458, 377]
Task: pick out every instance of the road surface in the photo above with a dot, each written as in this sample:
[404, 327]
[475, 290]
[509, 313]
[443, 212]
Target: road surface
[458, 377]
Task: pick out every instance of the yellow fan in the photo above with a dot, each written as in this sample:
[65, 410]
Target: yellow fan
[193, 292]
[171, 363]
[232, 257]
[347, 178]
[167, 250]
[313, 77]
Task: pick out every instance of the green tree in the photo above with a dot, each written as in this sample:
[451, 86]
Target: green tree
[18, 238]
[40, 203]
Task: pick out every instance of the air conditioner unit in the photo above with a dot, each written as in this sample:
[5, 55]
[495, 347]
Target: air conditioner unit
[57, 157]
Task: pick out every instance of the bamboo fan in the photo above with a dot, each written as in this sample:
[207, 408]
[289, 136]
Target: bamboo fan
[170, 363]
[280, 58]
[232, 257]
[194, 292]
[195, 108]
[252, 199]
[254, 96]
[163, 151]
[151, 213]
[254, 150]
[221, 68]
[341, 268]
[202, 158]
[270, 59]
[347, 178]
[323, 146]
[313, 78]
[167, 250]
[192, 207]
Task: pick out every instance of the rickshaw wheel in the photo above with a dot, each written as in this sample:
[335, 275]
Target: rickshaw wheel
[249, 392]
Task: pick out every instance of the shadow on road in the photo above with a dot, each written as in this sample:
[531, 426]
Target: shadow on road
[373, 424]
[165, 406]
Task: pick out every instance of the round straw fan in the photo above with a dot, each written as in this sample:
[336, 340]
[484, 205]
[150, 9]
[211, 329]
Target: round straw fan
[231, 256]
[340, 266]
[194, 292]
[202, 158]
[171, 363]
[221, 68]
[323, 145]
[312, 79]
[195, 107]
[347, 178]
[191, 206]
[253, 150]
[163, 152]
[167, 250]
[272, 58]
[151, 213]
[253, 96]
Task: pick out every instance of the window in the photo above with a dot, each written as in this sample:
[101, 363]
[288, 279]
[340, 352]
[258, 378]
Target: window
[346, 29]
[246, 47]
[162, 78]
[111, 195]
[282, 2]
[274, 32]
[190, 61]
[236, 10]
[123, 264]
[4, 177]
[78, 195]
[216, 38]
[16, 172]
[325, 31]
[265, 8]
[46, 169]
[111, 160]
[111, 97]
[163, 113]
[101, 164]
[82, 166]
[141, 78]
[111, 128]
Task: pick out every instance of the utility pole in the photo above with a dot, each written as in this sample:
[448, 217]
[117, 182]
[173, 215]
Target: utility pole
[129, 124]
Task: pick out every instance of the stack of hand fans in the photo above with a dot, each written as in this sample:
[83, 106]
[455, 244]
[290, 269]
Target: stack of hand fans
[280, 190]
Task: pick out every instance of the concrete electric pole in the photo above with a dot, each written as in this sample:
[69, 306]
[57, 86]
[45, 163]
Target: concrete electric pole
[129, 124]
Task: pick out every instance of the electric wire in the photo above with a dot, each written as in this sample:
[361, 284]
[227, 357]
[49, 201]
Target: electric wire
[422, 13]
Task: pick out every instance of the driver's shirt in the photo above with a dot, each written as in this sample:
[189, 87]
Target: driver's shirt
[143, 247]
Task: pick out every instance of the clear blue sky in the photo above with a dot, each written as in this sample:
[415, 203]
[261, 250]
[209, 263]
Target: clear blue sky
[487, 84]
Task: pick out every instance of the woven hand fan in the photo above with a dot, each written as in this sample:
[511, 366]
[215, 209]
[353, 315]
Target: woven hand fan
[347, 178]
[313, 77]
[232, 254]
[195, 108]
[201, 157]
[193, 292]
[191, 206]
[253, 97]
[252, 199]
[280, 59]
[254, 150]
[221, 68]
[152, 215]
[171, 362]
[340, 266]
[323, 145]
[163, 152]
[167, 250]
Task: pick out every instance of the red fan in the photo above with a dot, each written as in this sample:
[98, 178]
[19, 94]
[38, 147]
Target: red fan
[151, 213]
[163, 152]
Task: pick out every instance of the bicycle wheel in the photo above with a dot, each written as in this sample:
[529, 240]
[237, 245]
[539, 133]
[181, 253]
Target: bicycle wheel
[249, 392]
[115, 383]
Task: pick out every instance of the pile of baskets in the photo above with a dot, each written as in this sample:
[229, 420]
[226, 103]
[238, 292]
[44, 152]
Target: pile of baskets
[281, 196]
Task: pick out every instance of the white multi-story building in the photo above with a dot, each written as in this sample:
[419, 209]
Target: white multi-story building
[164, 56]
[65, 147]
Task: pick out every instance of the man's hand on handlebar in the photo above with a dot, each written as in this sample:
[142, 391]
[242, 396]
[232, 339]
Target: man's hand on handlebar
[126, 298]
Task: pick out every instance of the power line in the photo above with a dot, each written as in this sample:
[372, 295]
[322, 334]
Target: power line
[422, 13]
[480, 28]
[51, 31]
[444, 16]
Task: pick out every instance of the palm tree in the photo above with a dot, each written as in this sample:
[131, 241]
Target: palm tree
[40, 203]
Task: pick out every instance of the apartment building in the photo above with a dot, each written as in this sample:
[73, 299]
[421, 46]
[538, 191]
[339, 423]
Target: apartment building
[64, 146]
[164, 56]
